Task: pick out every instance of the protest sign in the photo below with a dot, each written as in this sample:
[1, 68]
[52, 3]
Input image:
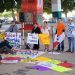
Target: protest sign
[13, 38]
[32, 38]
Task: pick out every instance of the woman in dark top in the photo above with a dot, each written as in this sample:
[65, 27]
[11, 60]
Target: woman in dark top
[37, 30]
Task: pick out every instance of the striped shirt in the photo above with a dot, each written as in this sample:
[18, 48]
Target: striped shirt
[70, 29]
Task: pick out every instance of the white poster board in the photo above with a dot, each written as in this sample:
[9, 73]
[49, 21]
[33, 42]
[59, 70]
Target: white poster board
[14, 39]
[32, 38]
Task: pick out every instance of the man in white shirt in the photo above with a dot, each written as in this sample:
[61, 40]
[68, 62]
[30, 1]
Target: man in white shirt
[70, 36]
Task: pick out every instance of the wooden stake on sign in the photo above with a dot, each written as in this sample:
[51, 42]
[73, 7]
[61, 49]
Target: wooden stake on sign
[23, 39]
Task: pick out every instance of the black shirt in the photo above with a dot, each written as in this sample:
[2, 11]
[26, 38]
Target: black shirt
[36, 30]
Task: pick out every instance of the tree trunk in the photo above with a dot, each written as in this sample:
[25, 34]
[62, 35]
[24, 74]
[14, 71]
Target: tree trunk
[17, 15]
[66, 14]
[13, 15]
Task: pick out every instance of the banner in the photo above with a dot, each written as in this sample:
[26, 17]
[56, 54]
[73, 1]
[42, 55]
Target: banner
[32, 6]
[44, 38]
[58, 39]
[32, 38]
[13, 38]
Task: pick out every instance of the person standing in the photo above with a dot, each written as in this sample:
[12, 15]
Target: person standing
[46, 30]
[36, 30]
[60, 28]
[12, 28]
[70, 36]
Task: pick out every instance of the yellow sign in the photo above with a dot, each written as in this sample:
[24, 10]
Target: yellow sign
[2, 36]
[44, 38]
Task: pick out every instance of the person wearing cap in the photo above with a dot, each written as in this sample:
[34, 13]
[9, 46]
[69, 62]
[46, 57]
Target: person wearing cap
[70, 36]
[46, 30]
[60, 28]
[36, 30]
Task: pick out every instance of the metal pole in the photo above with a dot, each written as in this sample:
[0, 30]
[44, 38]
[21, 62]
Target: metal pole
[23, 38]
[52, 40]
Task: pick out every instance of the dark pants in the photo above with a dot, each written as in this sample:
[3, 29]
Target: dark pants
[5, 43]
[61, 46]
[36, 46]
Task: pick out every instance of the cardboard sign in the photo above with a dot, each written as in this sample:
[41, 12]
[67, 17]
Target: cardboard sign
[32, 38]
[13, 38]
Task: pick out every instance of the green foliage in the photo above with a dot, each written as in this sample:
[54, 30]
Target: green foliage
[18, 4]
[9, 4]
[67, 5]
[1, 6]
[47, 6]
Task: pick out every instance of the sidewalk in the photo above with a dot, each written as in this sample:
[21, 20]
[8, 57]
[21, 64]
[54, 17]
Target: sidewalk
[25, 68]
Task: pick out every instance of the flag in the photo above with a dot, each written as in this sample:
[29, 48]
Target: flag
[58, 39]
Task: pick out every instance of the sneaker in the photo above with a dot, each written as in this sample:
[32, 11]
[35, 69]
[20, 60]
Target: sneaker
[57, 50]
[68, 51]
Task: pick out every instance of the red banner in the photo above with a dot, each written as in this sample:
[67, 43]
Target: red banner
[32, 6]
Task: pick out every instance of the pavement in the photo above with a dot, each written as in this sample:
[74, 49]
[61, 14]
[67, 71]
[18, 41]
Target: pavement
[26, 68]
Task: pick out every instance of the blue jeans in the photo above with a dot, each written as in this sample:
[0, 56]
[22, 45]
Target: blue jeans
[61, 46]
[5, 43]
[71, 43]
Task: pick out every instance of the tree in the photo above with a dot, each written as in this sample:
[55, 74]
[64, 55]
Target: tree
[67, 5]
[47, 6]
[1, 5]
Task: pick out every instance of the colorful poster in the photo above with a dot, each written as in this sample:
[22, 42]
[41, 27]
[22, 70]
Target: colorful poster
[44, 38]
[14, 39]
[32, 38]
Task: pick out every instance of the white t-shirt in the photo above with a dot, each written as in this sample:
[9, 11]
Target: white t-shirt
[46, 30]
